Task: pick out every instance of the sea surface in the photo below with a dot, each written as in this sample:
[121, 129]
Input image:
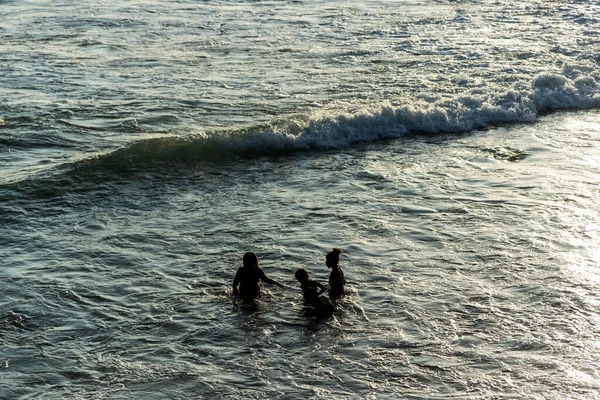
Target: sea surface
[451, 149]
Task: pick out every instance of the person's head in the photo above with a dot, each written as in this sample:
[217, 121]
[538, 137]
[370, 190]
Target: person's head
[250, 260]
[311, 295]
[333, 257]
[301, 274]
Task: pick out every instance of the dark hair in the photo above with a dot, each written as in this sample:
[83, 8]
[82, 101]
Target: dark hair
[333, 256]
[301, 274]
[250, 260]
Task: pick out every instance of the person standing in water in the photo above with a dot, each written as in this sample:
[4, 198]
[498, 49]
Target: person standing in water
[336, 277]
[248, 278]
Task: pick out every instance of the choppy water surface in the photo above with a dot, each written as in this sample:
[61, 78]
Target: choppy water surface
[472, 270]
[146, 146]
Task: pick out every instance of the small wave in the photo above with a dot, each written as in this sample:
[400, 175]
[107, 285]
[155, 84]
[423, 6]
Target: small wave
[103, 124]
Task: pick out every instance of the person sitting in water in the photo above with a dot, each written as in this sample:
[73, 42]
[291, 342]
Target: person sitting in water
[336, 277]
[305, 281]
[317, 306]
[248, 278]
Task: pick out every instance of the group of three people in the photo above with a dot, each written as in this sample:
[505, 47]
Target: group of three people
[247, 282]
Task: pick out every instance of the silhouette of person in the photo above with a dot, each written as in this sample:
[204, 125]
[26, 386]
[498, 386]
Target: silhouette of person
[305, 281]
[336, 276]
[248, 278]
[317, 306]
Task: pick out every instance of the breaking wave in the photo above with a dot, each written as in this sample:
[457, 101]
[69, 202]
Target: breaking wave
[548, 92]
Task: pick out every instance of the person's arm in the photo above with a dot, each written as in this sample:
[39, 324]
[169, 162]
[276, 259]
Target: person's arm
[236, 282]
[321, 287]
[265, 278]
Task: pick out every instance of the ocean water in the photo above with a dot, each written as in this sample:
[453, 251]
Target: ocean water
[450, 148]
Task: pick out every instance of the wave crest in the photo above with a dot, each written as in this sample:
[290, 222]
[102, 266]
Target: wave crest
[548, 92]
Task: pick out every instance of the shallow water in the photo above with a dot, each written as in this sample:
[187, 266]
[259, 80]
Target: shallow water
[450, 149]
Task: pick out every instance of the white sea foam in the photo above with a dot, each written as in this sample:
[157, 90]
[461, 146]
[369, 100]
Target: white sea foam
[549, 92]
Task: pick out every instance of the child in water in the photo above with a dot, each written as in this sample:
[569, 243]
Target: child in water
[317, 306]
[336, 277]
[248, 278]
[305, 281]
